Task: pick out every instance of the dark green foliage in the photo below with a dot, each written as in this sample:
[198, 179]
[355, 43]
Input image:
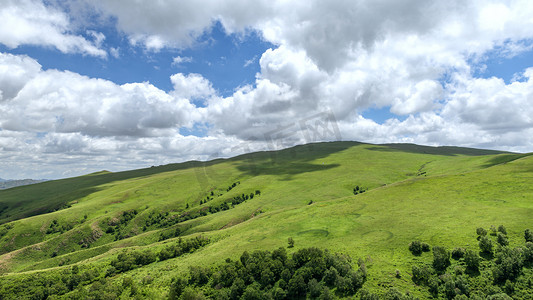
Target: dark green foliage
[315, 289]
[366, 295]
[481, 232]
[458, 253]
[199, 275]
[297, 286]
[493, 230]
[118, 225]
[502, 239]
[415, 247]
[291, 242]
[502, 229]
[528, 235]
[508, 264]
[433, 284]
[126, 261]
[393, 294]
[358, 190]
[472, 260]
[233, 185]
[425, 247]
[263, 274]
[441, 258]
[462, 285]
[181, 247]
[252, 292]
[330, 276]
[278, 293]
[56, 227]
[449, 287]
[421, 274]
[494, 277]
[528, 254]
[485, 245]
[499, 296]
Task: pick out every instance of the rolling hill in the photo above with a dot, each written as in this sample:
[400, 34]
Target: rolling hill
[363, 200]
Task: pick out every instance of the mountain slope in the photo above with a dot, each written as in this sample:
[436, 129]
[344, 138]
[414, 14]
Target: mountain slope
[437, 195]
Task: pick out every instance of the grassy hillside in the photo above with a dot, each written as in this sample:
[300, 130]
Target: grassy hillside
[436, 195]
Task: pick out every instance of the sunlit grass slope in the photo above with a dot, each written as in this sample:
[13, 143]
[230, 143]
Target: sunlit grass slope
[437, 195]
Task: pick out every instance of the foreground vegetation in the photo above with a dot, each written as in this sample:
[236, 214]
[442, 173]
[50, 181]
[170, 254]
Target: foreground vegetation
[212, 229]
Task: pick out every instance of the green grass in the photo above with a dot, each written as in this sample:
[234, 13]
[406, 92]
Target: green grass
[436, 195]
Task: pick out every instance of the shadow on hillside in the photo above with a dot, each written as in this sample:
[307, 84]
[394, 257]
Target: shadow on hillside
[289, 162]
[443, 150]
[503, 159]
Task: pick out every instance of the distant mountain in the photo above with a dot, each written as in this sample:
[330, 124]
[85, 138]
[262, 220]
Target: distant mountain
[6, 184]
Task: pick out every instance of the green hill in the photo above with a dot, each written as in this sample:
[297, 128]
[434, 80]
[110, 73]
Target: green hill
[310, 193]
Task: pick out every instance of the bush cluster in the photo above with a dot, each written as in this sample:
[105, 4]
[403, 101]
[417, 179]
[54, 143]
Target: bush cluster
[358, 190]
[309, 272]
[499, 274]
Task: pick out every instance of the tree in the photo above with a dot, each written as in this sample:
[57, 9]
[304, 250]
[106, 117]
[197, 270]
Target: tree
[481, 232]
[485, 245]
[508, 265]
[278, 293]
[291, 242]
[315, 289]
[297, 286]
[176, 287]
[441, 258]
[415, 247]
[433, 285]
[420, 274]
[458, 253]
[472, 260]
[237, 288]
[528, 253]
[502, 239]
[330, 276]
[502, 229]
[252, 292]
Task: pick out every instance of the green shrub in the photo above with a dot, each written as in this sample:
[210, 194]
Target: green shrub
[441, 258]
[481, 232]
[415, 247]
[502, 229]
[508, 264]
[458, 253]
[420, 274]
[502, 239]
[472, 260]
[485, 245]
[290, 240]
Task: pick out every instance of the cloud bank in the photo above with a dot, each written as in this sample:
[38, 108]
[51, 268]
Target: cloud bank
[416, 59]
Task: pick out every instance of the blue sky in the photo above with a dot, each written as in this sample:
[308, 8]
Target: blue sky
[220, 57]
[112, 85]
